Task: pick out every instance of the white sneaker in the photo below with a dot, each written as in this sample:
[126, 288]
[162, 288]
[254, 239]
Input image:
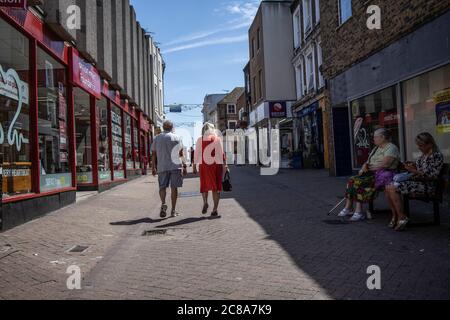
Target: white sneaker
[357, 217]
[345, 213]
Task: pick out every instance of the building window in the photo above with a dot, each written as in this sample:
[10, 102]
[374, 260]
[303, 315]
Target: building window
[128, 145]
[317, 5]
[320, 63]
[345, 10]
[253, 47]
[117, 143]
[14, 147]
[260, 80]
[307, 16]
[52, 124]
[427, 109]
[310, 81]
[370, 113]
[255, 99]
[83, 136]
[232, 125]
[104, 166]
[297, 29]
[231, 109]
[299, 81]
[258, 42]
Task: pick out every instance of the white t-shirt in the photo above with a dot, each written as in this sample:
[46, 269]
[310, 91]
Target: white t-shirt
[167, 146]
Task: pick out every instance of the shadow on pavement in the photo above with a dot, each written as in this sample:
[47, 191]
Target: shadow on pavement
[292, 209]
[136, 222]
[182, 222]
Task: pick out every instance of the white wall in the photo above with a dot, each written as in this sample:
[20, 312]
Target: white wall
[278, 51]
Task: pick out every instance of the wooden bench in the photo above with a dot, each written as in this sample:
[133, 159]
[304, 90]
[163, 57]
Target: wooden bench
[436, 199]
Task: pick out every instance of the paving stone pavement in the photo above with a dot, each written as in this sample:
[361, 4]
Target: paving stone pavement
[274, 241]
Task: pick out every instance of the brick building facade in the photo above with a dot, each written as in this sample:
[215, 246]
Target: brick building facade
[390, 77]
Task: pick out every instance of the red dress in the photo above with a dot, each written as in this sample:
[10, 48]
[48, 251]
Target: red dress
[211, 167]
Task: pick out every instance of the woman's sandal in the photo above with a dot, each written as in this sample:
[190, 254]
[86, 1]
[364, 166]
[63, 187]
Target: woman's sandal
[402, 224]
[392, 224]
[205, 208]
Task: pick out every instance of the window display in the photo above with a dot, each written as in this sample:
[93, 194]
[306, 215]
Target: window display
[52, 124]
[83, 136]
[370, 113]
[117, 143]
[104, 168]
[128, 145]
[427, 109]
[136, 144]
[14, 111]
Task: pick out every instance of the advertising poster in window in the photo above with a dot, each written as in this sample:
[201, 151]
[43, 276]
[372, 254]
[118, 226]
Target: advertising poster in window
[443, 111]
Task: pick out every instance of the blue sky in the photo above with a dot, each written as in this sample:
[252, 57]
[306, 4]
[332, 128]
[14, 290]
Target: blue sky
[204, 43]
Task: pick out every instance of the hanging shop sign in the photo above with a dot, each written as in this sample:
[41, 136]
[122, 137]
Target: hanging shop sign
[442, 100]
[278, 109]
[13, 3]
[13, 88]
[86, 76]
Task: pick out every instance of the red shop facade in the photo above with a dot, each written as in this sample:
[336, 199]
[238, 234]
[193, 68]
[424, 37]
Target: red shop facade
[62, 129]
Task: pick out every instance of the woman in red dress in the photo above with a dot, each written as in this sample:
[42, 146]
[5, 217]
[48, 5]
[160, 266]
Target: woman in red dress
[210, 157]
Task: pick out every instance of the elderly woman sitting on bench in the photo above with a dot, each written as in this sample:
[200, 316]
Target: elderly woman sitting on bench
[376, 173]
[427, 168]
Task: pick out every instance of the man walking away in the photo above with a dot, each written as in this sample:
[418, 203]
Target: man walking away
[168, 163]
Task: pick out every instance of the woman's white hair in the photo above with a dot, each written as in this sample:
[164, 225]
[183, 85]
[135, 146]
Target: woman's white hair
[208, 128]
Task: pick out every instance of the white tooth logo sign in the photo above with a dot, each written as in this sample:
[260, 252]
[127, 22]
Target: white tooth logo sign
[7, 80]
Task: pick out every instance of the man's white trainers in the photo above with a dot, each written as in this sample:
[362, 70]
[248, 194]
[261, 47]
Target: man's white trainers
[345, 213]
[357, 217]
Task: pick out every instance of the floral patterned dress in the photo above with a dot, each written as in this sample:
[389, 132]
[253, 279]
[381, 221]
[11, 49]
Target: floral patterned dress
[430, 167]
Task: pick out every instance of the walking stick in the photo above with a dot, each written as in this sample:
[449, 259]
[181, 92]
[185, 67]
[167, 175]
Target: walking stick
[331, 211]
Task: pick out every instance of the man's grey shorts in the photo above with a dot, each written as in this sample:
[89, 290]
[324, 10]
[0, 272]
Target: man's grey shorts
[173, 179]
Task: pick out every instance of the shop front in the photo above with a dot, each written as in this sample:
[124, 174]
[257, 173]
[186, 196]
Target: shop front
[310, 138]
[406, 95]
[424, 107]
[35, 120]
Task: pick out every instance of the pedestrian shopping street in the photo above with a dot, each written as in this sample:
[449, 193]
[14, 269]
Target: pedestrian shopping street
[273, 241]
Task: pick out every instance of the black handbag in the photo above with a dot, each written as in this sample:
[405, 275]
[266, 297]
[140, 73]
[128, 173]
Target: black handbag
[226, 184]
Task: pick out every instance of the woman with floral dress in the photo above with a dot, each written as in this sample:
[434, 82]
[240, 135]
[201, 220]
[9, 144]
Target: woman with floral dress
[377, 172]
[427, 168]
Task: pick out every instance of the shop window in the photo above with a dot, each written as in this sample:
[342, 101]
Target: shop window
[83, 136]
[52, 124]
[128, 145]
[136, 144]
[104, 167]
[427, 109]
[14, 111]
[117, 143]
[370, 113]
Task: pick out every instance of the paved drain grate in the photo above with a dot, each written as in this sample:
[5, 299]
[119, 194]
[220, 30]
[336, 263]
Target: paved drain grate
[150, 233]
[78, 249]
